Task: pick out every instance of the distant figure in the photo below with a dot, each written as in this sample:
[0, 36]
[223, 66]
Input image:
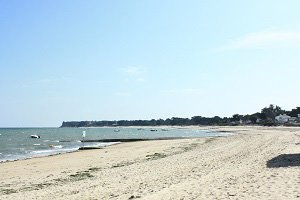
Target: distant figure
[35, 136]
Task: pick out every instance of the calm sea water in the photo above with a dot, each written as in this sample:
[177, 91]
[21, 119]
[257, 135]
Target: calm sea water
[16, 143]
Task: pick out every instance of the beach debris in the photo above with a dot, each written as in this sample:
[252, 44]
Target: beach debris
[92, 169]
[8, 191]
[113, 195]
[134, 197]
[80, 176]
[156, 156]
[122, 164]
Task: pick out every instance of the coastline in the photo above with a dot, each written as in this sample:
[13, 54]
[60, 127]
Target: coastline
[234, 167]
[63, 142]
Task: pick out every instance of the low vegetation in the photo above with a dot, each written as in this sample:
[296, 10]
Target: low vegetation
[266, 117]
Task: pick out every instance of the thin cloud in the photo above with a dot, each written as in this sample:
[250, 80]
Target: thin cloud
[264, 40]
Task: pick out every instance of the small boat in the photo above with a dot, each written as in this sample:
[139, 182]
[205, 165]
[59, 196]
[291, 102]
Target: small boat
[117, 130]
[153, 130]
[140, 129]
[164, 129]
[35, 136]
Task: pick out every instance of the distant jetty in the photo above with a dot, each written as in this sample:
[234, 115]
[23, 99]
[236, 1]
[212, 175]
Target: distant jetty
[134, 139]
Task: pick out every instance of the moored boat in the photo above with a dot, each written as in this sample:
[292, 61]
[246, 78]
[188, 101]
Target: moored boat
[35, 136]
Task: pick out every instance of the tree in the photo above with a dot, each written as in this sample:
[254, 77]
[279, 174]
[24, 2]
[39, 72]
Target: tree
[253, 118]
[236, 117]
[197, 120]
[269, 113]
[295, 112]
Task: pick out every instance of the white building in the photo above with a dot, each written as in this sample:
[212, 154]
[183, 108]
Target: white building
[282, 118]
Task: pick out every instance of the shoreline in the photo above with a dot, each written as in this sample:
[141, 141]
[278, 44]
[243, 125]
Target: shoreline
[115, 141]
[250, 164]
[107, 142]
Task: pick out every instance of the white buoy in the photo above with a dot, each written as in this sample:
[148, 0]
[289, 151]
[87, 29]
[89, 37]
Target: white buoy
[83, 136]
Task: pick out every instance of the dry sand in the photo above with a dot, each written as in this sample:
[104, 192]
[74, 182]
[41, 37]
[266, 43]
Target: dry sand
[255, 163]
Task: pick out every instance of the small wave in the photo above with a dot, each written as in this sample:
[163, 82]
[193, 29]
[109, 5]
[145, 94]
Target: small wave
[104, 144]
[65, 141]
[41, 152]
[225, 133]
[55, 146]
[36, 144]
[46, 140]
[51, 151]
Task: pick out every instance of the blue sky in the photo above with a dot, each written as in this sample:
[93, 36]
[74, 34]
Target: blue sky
[98, 60]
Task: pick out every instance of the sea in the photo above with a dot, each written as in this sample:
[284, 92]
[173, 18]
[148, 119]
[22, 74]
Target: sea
[17, 144]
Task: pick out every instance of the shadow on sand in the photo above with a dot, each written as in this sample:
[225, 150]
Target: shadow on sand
[284, 160]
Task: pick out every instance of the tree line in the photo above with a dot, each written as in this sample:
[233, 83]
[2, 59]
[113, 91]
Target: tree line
[265, 117]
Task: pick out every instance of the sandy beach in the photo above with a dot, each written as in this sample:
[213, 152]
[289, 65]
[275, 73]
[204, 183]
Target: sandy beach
[254, 163]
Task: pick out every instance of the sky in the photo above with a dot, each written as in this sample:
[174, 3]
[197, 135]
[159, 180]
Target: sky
[77, 60]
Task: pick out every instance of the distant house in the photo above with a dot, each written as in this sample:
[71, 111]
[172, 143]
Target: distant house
[115, 124]
[245, 121]
[282, 118]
